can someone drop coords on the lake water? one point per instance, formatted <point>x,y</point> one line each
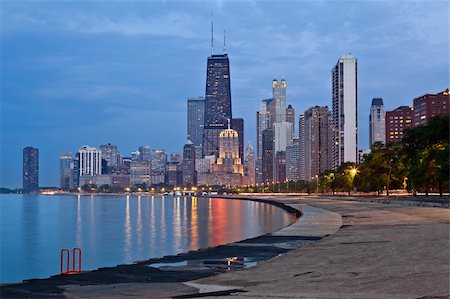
<point>113,230</point>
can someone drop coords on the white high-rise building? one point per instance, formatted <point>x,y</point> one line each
<point>377,122</point>
<point>90,161</point>
<point>301,141</point>
<point>345,110</point>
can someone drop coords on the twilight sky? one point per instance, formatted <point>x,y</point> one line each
<point>89,73</point>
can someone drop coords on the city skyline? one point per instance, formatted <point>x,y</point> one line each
<point>45,90</point>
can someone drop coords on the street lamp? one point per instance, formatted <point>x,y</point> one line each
<point>317,185</point>
<point>353,173</point>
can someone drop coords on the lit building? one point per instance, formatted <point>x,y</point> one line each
<point>174,174</point>
<point>249,165</point>
<point>397,121</point>
<point>90,161</point>
<point>195,120</point>
<point>30,169</point>
<point>429,105</point>
<point>345,111</point>
<point>66,172</point>
<point>228,169</point>
<point>293,161</point>
<point>377,122</point>
<point>189,173</point>
<point>175,158</point>
<point>158,162</point>
<point>110,154</point>
<point>217,102</point>
<point>267,156</point>
<point>317,141</point>
<point>301,141</point>
<point>279,96</point>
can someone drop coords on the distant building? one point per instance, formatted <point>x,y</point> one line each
<point>174,174</point>
<point>66,172</point>
<point>119,180</point>
<point>279,96</point>
<point>145,153</point>
<point>282,136</point>
<point>290,118</point>
<point>362,153</point>
<point>238,125</point>
<point>301,141</point>
<point>293,161</point>
<point>279,168</point>
<point>429,105</point>
<point>176,158</point>
<point>267,155</point>
<point>195,120</point>
<point>158,162</point>
<point>397,121</point>
<point>345,111</point>
<point>30,169</point>
<point>263,122</point>
<point>217,102</point>
<point>249,165</point>
<point>140,172</point>
<point>317,141</point>
<point>189,173</point>
<point>377,122</point>
<point>90,161</point>
<point>110,153</point>
<point>228,169</point>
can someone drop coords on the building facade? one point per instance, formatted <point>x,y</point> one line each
<point>290,118</point>
<point>429,105</point>
<point>217,102</point>
<point>30,176</point>
<point>140,172</point>
<point>238,125</point>
<point>317,141</point>
<point>279,96</point>
<point>267,156</point>
<point>189,173</point>
<point>110,154</point>
<point>345,110</point>
<point>66,172</point>
<point>377,122</point>
<point>90,161</point>
<point>301,141</point>
<point>195,120</point>
<point>293,161</point>
<point>249,165</point>
<point>397,121</point>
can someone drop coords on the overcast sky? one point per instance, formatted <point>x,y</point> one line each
<point>89,73</point>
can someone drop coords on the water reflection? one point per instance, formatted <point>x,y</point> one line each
<point>120,229</point>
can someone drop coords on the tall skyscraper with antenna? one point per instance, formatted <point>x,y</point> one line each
<point>217,99</point>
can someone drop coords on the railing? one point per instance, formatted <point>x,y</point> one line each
<point>65,253</point>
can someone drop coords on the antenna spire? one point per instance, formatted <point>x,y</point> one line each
<point>224,48</point>
<point>212,32</point>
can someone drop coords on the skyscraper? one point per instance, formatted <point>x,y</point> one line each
<point>290,118</point>
<point>301,141</point>
<point>145,153</point>
<point>90,161</point>
<point>110,154</point>
<point>238,125</point>
<point>293,161</point>
<point>188,166</point>
<point>267,155</point>
<point>30,169</point>
<point>429,105</point>
<point>249,165</point>
<point>195,120</point>
<point>217,102</point>
<point>66,171</point>
<point>345,110</point>
<point>263,117</point>
<point>279,96</point>
<point>317,141</point>
<point>377,122</point>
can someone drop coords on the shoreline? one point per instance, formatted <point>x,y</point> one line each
<point>194,255</point>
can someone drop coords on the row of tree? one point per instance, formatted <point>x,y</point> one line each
<point>418,163</point>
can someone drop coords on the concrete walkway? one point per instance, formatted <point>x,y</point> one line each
<point>382,251</point>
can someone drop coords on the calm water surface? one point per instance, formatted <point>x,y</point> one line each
<point>115,230</point>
